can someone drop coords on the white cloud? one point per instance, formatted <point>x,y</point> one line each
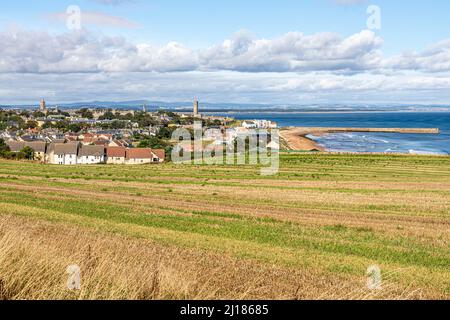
<point>226,86</point>
<point>80,51</point>
<point>294,51</point>
<point>436,58</point>
<point>294,68</point>
<point>40,52</point>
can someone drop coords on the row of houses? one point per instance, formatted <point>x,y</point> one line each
<point>74,153</point>
<point>259,124</point>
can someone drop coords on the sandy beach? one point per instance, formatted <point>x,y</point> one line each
<point>295,137</point>
<point>296,140</point>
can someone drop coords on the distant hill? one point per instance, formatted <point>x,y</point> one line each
<point>243,107</point>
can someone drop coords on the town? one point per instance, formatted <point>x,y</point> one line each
<point>82,136</point>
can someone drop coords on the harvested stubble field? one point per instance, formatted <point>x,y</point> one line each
<point>216,232</point>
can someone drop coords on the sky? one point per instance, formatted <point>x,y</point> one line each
<point>225,51</point>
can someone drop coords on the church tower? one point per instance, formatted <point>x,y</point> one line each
<point>42,106</point>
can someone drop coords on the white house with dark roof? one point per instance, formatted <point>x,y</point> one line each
<point>91,154</point>
<point>62,153</point>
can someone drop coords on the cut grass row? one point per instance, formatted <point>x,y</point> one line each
<point>399,220</point>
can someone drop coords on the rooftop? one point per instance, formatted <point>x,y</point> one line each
<point>97,151</point>
<point>139,153</point>
<point>118,152</point>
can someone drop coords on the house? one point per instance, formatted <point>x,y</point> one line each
<point>259,124</point>
<point>72,139</point>
<point>62,153</point>
<point>39,148</point>
<point>103,143</point>
<point>27,138</point>
<point>139,156</point>
<point>88,140</point>
<point>85,136</point>
<point>58,141</point>
<point>115,155</point>
<point>159,155</point>
<point>91,154</point>
<point>71,136</point>
<point>118,143</point>
<point>104,136</point>
<point>249,125</point>
<point>15,146</point>
<point>6,135</point>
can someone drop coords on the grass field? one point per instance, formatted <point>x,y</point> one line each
<point>209,232</point>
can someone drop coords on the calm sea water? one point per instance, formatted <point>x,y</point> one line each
<point>370,142</point>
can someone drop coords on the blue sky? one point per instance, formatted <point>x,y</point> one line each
<point>285,51</point>
<point>406,25</point>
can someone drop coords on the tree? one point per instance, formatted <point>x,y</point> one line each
<point>165,133</point>
<point>152,142</point>
<point>27,153</point>
<point>31,124</point>
<point>47,125</point>
<point>108,115</point>
<point>85,113</point>
<point>74,127</point>
<point>4,148</point>
<point>38,114</point>
<point>116,124</point>
<point>25,114</point>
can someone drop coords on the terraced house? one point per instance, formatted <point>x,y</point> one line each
<point>62,153</point>
<point>122,155</point>
<point>91,154</point>
<point>39,148</point>
<point>74,152</point>
<point>139,156</point>
<point>116,155</point>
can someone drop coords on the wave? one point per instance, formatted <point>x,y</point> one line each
<point>422,152</point>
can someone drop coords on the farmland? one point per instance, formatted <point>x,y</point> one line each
<point>210,232</point>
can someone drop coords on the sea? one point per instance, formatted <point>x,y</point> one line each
<point>368,142</point>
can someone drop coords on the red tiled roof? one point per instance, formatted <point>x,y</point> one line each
<point>120,143</point>
<point>89,139</point>
<point>160,153</point>
<point>118,152</point>
<point>101,143</point>
<point>104,136</point>
<point>139,153</point>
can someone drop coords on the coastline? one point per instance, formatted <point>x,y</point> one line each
<point>296,137</point>
<point>298,141</point>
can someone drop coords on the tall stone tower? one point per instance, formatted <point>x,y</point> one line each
<point>42,106</point>
<point>196,107</point>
